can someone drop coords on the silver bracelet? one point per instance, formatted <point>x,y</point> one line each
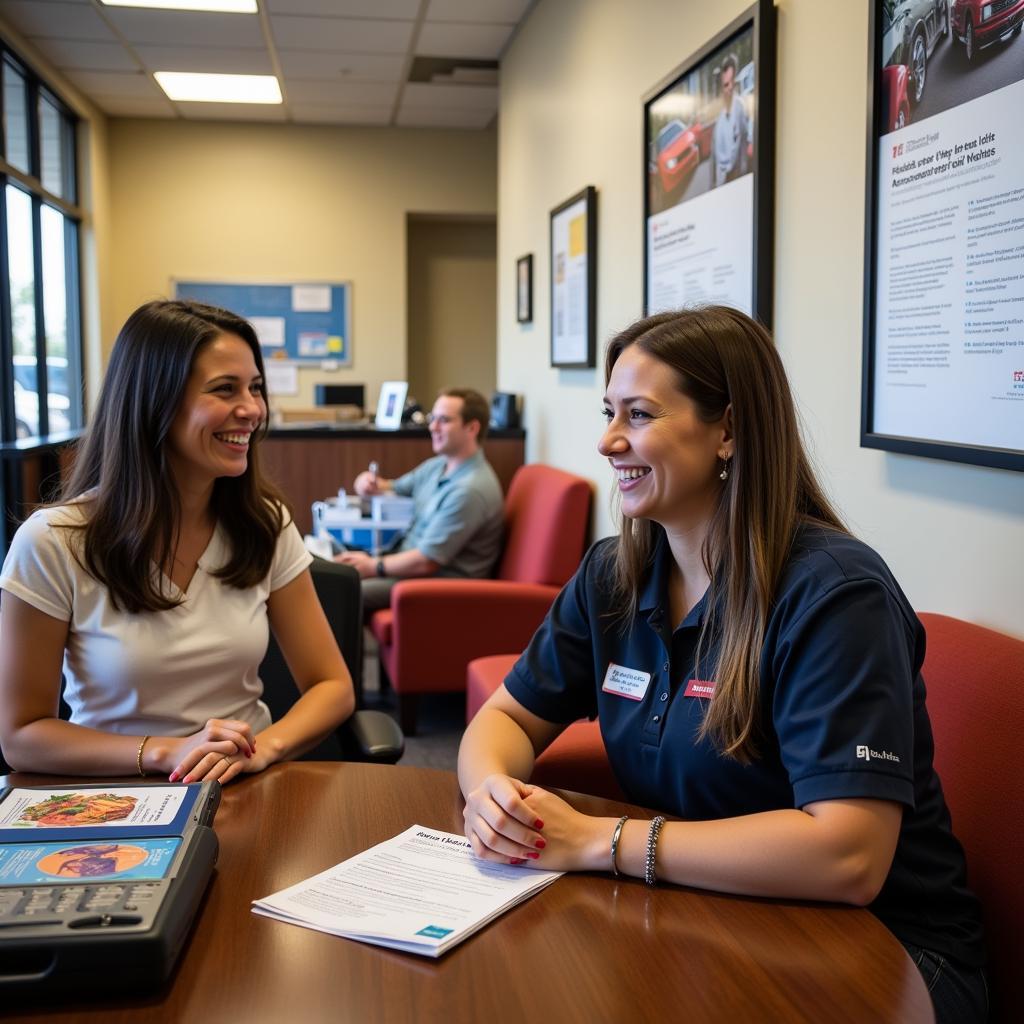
<point>616,835</point>
<point>652,845</point>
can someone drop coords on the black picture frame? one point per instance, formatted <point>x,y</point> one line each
<point>574,307</point>
<point>918,131</point>
<point>668,193</point>
<point>524,289</point>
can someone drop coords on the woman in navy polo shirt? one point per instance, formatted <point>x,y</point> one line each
<point>755,670</point>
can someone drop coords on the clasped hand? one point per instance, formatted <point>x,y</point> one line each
<point>222,749</point>
<point>512,822</point>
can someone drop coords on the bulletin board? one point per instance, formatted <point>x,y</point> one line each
<point>304,323</point>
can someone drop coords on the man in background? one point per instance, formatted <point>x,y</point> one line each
<point>732,128</point>
<point>458,513</point>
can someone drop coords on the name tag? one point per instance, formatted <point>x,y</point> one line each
<point>700,688</point>
<point>626,682</point>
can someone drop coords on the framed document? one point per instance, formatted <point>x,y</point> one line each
<point>943,368</point>
<point>708,160</point>
<point>524,289</point>
<point>574,281</point>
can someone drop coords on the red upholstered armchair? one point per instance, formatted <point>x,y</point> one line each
<point>435,627</point>
<point>975,682</point>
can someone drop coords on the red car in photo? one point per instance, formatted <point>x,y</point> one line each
<point>895,98</point>
<point>979,23</point>
<point>677,154</point>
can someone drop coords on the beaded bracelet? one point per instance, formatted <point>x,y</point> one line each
<point>616,835</point>
<point>652,845</point>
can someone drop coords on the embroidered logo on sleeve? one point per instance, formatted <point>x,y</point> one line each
<point>626,682</point>
<point>879,755</point>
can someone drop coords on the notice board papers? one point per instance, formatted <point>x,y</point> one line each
<point>421,892</point>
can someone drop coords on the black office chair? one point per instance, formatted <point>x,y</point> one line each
<point>367,735</point>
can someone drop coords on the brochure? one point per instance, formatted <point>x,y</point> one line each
<point>422,892</point>
<point>94,812</point>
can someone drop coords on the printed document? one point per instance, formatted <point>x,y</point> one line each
<point>422,892</point>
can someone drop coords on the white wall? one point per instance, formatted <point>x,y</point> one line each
<point>571,115</point>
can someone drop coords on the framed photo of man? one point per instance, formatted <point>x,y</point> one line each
<point>708,162</point>
<point>943,366</point>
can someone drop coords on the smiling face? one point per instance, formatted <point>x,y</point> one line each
<point>223,404</point>
<point>665,457</point>
<point>450,434</point>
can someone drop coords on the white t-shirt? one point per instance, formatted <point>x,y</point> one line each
<point>158,673</point>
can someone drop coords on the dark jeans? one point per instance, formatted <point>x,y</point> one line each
<point>959,994</point>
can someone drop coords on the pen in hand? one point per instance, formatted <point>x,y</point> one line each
<point>373,467</point>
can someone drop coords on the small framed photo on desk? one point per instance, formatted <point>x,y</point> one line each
<point>391,404</point>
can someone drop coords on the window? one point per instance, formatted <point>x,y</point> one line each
<point>40,343</point>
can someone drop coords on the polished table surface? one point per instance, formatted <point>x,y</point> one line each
<point>588,948</point>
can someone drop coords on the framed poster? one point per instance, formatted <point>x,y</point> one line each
<point>943,368</point>
<point>574,281</point>
<point>524,289</point>
<point>708,161</point>
<point>307,322</point>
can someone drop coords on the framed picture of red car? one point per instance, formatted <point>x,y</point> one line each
<point>709,145</point>
<point>943,366</point>
<point>574,281</point>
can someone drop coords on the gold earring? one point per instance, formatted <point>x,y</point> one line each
<point>724,475</point>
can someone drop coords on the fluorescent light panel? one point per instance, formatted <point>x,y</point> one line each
<point>224,6</point>
<point>204,88</point>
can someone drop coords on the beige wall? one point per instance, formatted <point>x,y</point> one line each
<point>288,203</point>
<point>571,92</point>
<point>452,306</point>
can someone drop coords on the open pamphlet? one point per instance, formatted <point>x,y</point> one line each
<point>422,892</point>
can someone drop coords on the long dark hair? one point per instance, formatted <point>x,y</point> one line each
<point>722,358</point>
<point>121,473</point>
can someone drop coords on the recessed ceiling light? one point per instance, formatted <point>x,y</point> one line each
<point>184,85</point>
<point>227,6</point>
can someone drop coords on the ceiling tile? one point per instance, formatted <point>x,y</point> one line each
<point>349,67</point>
<point>195,28</point>
<point>346,34</point>
<point>205,58</point>
<point>112,83</point>
<point>314,113</point>
<point>425,117</point>
<point>457,97</point>
<point>68,54</point>
<point>232,111</point>
<point>68,21</point>
<point>407,9</point>
<point>483,42</point>
<point>369,94</point>
<point>503,11</point>
<point>132,106</point>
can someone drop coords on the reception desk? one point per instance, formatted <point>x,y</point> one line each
<point>308,464</point>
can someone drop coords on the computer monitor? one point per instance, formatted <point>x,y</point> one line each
<point>340,394</point>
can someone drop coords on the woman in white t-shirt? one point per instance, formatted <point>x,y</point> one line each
<point>153,587</point>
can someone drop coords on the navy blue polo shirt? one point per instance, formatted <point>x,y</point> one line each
<point>841,712</point>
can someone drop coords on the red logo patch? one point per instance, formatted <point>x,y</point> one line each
<point>700,688</point>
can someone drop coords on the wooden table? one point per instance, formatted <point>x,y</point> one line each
<point>587,948</point>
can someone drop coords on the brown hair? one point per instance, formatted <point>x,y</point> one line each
<point>474,407</point>
<point>121,473</point>
<point>722,358</point>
